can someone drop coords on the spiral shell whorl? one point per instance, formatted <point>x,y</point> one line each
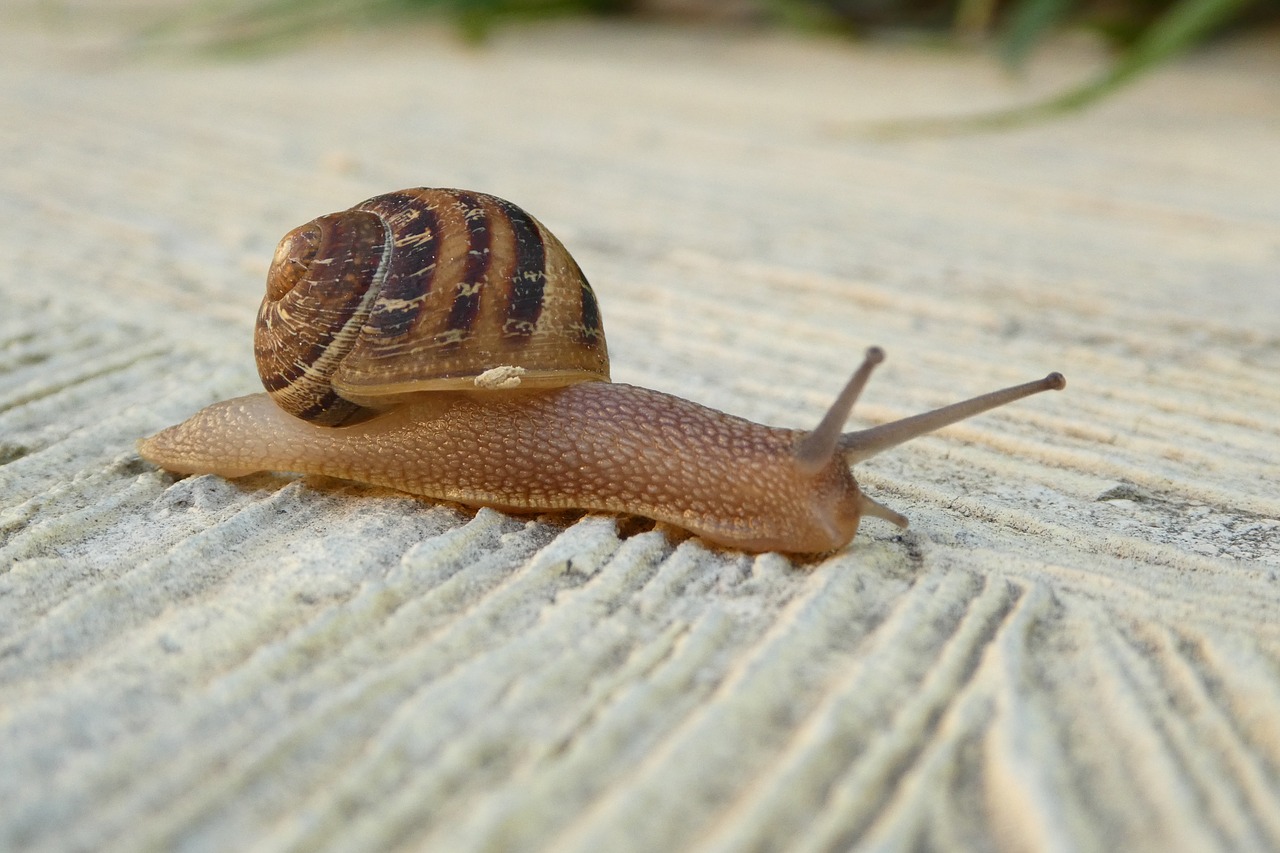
<point>421,290</point>
<point>318,292</point>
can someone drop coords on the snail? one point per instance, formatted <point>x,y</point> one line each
<point>442,342</point>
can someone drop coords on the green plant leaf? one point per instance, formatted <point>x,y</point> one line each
<point>1029,22</point>
<point>1183,24</point>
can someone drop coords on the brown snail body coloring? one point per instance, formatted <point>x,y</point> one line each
<point>474,282</point>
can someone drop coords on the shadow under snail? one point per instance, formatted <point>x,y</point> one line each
<point>444,343</point>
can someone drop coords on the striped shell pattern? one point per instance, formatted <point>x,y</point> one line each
<point>417,291</point>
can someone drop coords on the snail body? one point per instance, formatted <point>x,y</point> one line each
<point>599,446</point>
<point>568,439</point>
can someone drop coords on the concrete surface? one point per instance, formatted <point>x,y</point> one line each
<point>1076,645</point>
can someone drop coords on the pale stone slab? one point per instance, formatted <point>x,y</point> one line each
<point>1075,646</point>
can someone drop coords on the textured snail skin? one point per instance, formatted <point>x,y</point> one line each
<point>592,446</point>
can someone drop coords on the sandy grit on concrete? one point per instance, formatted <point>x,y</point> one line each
<point>1075,646</point>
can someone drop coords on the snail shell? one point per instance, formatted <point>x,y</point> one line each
<point>417,291</point>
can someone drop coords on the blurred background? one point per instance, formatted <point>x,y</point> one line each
<point>1137,35</point>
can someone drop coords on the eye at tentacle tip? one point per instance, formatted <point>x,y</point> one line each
<point>819,447</point>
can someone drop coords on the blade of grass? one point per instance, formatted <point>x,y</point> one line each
<point>1185,23</point>
<point>1029,22</point>
<point>1180,27</point>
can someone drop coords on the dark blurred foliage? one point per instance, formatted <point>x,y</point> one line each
<point>1143,32</point>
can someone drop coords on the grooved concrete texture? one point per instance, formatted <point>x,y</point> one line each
<point>1075,646</point>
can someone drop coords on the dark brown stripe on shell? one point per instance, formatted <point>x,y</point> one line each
<point>332,410</point>
<point>592,330</point>
<point>285,375</point>
<point>528,282</point>
<point>466,299</point>
<point>411,272</point>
